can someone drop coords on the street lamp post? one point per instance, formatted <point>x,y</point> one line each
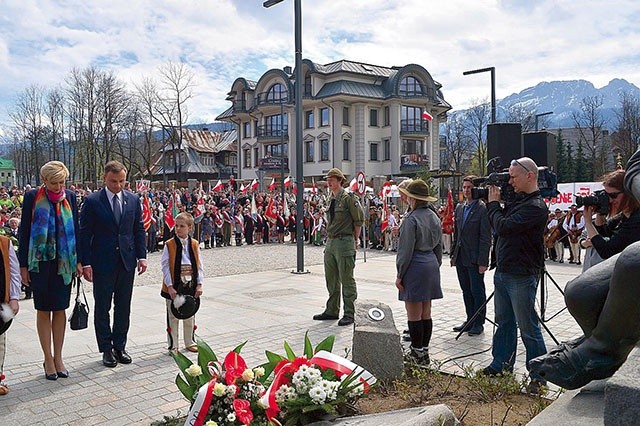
<point>298,109</point>
<point>282,150</point>
<point>541,115</point>
<point>493,87</point>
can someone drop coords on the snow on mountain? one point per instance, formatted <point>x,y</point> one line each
<point>564,97</point>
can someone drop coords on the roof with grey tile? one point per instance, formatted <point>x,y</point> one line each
<point>353,88</point>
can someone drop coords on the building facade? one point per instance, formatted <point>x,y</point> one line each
<point>201,155</point>
<point>8,175</point>
<point>356,116</point>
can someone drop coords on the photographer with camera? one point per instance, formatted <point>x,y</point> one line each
<point>519,227</point>
<point>611,236</point>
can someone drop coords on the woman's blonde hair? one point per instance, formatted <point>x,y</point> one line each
<point>54,170</point>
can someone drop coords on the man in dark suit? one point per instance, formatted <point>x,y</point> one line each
<point>472,234</point>
<point>112,245</point>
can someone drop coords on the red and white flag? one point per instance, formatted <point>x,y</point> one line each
<point>198,211</point>
<point>272,186</point>
<point>142,185</point>
<point>287,182</point>
<point>219,186</point>
<point>314,190</point>
<point>146,213</point>
<point>243,188</point>
<point>353,185</point>
<point>271,211</point>
<point>171,213</point>
<point>447,220</point>
<point>254,185</point>
<point>427,116</point>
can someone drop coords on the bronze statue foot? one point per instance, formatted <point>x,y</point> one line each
<point>568,345</point>
<point>573,368</point>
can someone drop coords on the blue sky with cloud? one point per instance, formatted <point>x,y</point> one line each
<point>527,41</point>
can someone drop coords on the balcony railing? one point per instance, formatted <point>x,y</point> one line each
<point>239,106</point>
<point>273,132</point>
<point>417,91</point>
<point>271,98</point>
<point>414,126</point>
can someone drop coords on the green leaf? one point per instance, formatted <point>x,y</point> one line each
<point>205,355</point>
<point>238,348</point>
<point>326,344</point>
<point>184,387</point>
<point>290,354</point>
<point>308,349</point>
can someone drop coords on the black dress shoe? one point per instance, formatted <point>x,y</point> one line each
<point>345,321</point>
<point>108,359</point>
<point>52,376</point>
<point>460,327</point>
<point>324,316</point>
<point>122,356</point>
<point>476,330</point>
<point>63,374</point>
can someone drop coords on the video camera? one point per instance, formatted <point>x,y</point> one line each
<point>599,199</point>
<point>547,182</point>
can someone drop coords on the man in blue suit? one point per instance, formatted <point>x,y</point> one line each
<point>472,234</point>
<point>112,245</point>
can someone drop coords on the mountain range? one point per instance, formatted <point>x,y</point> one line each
<point>564,97</point>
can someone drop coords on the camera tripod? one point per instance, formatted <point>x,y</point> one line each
<point>542,281</point>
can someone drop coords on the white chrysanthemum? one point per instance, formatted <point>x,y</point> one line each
<point>318,395</point>
<point>330,388</point>
<point>283,393</point>
<point>194,370</point>
<point>231,417</point>
<point>219,389</point>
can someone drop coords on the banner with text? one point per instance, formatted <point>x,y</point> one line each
<point>568,191</point>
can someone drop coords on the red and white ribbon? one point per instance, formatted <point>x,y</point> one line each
<point>198,412</point>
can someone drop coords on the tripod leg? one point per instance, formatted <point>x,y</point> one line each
<point>475,315</point>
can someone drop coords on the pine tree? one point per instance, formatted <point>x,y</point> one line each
<point>570,166</point>
<point>583,173</point>
<point>562,170</point>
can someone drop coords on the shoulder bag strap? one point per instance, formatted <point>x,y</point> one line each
<point>80,287</point>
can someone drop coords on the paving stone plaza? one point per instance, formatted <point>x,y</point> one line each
<point>249,294</point>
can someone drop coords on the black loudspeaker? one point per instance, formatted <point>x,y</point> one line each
<point>541,147</point>
<point>504,140</point>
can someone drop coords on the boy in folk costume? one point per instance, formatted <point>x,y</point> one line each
<point>9,296</point>
<point>182,282</point>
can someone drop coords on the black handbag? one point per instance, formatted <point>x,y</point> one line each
<point>80,316</point>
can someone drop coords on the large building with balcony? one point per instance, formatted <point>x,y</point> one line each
<point>357,117</point>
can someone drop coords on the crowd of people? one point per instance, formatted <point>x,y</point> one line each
<point>104,236</point>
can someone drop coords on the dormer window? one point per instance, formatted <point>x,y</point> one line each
<point>276,94</point>
<point>410,86</point>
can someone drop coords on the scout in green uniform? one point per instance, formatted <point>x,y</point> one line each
<point>345,219</point>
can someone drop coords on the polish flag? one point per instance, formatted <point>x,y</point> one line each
<point>219,186</point>
<point>271,211</point>
<point>254,185</point>
<point>314,190</point>
<point>198,212</point>
<point>146,213</point>
<point>272,186</point>
<point>287,182</point>
<point>427,116</point>
<point>243,188</point>
<point>353,185</point>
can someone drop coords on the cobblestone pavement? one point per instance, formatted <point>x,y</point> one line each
<point>250,294</point>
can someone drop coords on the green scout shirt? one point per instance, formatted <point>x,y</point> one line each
<point>347,214</point>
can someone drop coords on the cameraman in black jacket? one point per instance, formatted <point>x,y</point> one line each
<point>519,228</point>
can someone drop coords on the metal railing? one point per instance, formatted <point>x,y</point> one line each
<point>414,126</point>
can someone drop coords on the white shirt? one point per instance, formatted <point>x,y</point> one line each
<point>14,272</point>
<point>185,260</point>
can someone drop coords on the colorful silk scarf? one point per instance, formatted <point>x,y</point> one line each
<point>52,212</point>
